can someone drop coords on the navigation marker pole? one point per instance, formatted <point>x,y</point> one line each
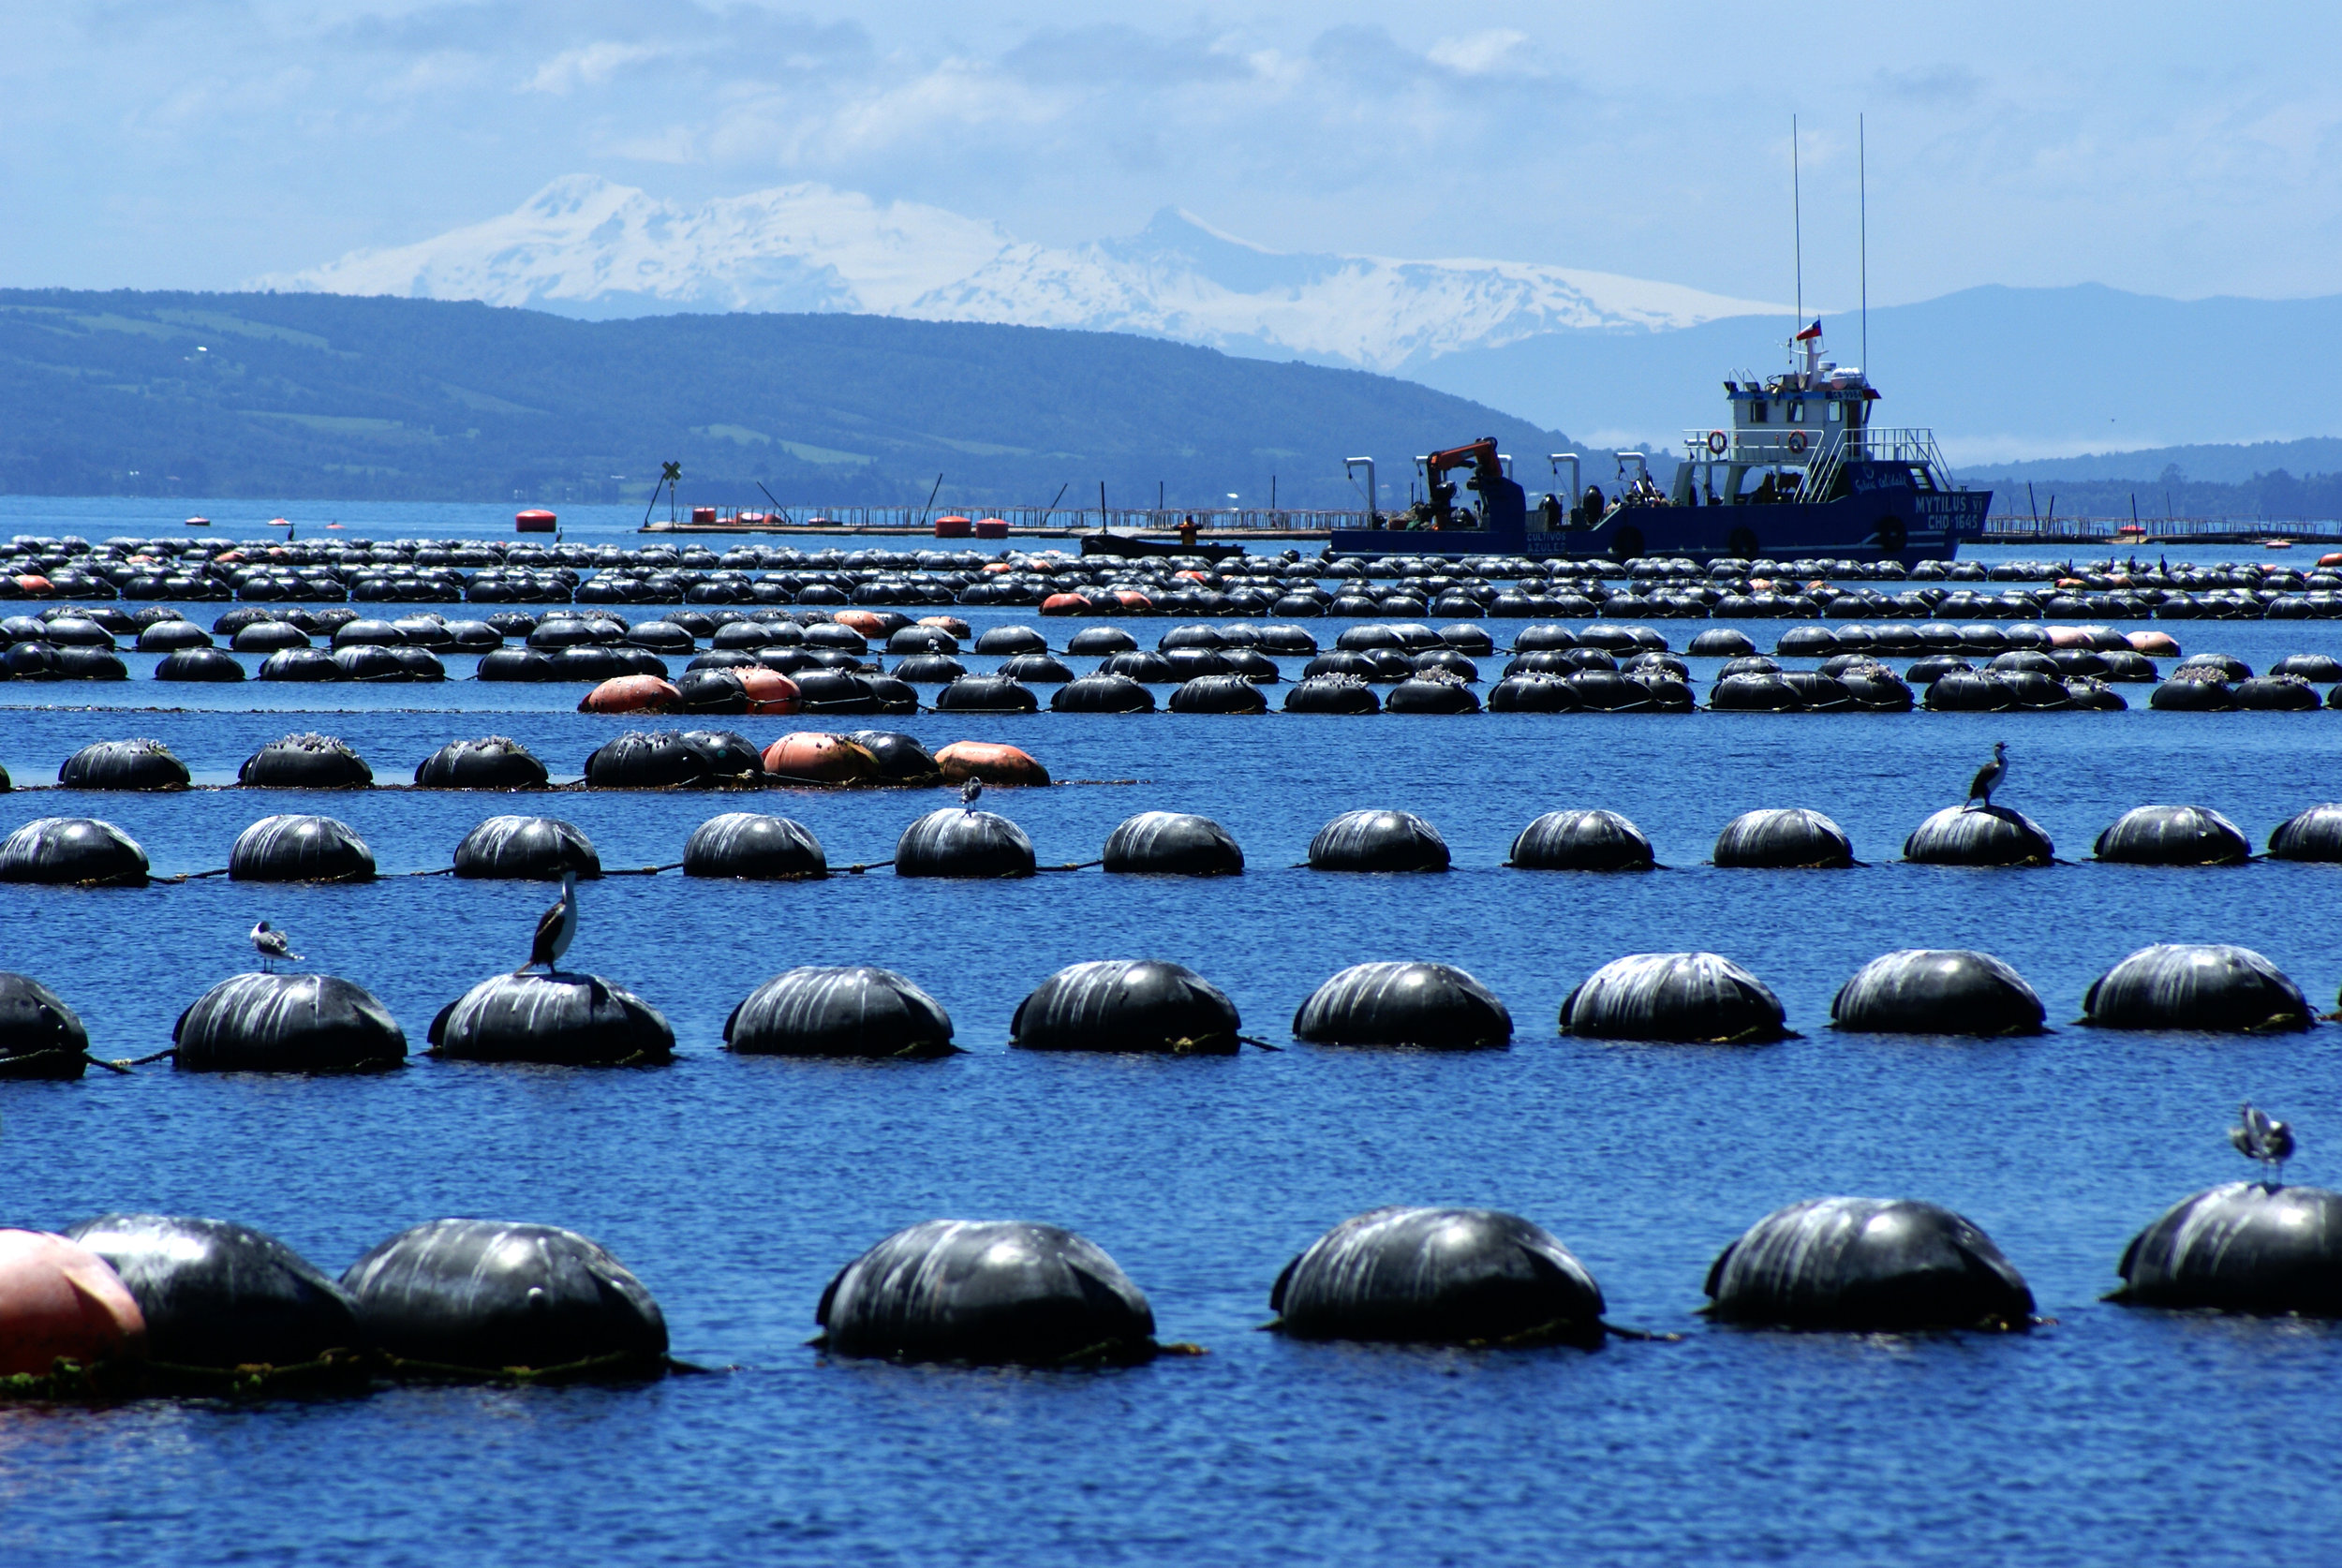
<point>1862,183</point>
<point>1797,226</point>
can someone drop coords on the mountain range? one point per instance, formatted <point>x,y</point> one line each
<point>584,246</point>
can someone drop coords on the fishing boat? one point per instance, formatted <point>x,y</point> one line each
<point>1796,468</point>
<point>199,522</point>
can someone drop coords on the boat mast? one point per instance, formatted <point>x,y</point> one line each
<point>1797,227</point>
<point>1862,183</point>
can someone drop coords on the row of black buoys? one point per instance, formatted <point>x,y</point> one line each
<point>849,1011</point>
<point>1783,837</point>
<point>123,764</point>
<point>64,851</point>
<point>559,1019</point>
<point>489,762</point>
<point>1683,998</point>
<point>529,848</point>
<point>2210,986</point>
<point>1979,835</point>
<point>997,1291</point>
<point>1378,841</point>
<point>674,760</point>
<point>40,1035</point>
<point>286,1023</point>
<point>298,849</point>
<point>1937,991</point>
<point>1428,1006</point>
<point>1127,1004</point>
<point>1867,1265</point>
<point>305,762</point>
<point>755,846</point>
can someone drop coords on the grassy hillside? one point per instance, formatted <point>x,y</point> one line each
<point>320,395</point>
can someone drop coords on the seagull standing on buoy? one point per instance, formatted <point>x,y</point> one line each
<point>968,792</point>
<point>2262,1137</point>
<point>272,945</point>
<point>555,929</point>
<point>1989,777</point>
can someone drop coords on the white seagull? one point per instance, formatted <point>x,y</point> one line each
<point>968,792</point>
<point>272,945</point>
<point>555,929</point>
<point>2264,1138</point>
<point>1990,776</point>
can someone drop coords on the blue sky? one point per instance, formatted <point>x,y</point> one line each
<point>2166,149</point>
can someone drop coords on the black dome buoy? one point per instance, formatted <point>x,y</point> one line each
<point>526,849</point>
<point>1102,694</point>
<point>1099,640</point>
<point>1979,835</point>
<point>1429,694</point>
<point>2314,833</point>
<point>1783,839</point>
<point>988,1291</point>
<point>489,762</point>
<point>957,842</point>
<point>293,849</point>
<point>1867,1265</point>
<point>562,1019</point>
<point>1582,840</point>
<point>2276,694</point>
<point>2242,1247</point>
<point>1233,694</point>
<point>497,664</point>
<point>199,664</point>
<point>2173,836</point>
<point>987,694</point>
<point>123,764</point>
<point>854,1011</point>
<point>1174,843</point>
<point>710,691</point>
<point>1011,640</point>
<point>1533,693</point>
<point>1720,643</point>
<point>1127,1004</point>
<point>1378,841</point>
<point>69,850</point>
<point>1334,694</point>
<point>303,664</point>
<point>1438,1276</point>
<point>2211,987</point>
<point>286,1023</point>
<point>40,1036</point>
<point>754,847</point>
<point>491,1297</point>
<point>216,1295</point>
<point>305,762</point>
<point>901,759</point>
<point>673,760</point>
<point>1755,691</point>
<point>1937,991</point>
<point>1679,998</point>
<point>1434,1006</point>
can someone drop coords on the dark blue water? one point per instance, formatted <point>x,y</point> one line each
<point>734,1188</point>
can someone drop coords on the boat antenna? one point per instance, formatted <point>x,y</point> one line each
<point>1797,225</point>
<point>1862,185</point>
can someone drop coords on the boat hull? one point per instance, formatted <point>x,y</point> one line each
<point>1901,524</point>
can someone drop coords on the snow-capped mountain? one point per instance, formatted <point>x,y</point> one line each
<point>584,246</point>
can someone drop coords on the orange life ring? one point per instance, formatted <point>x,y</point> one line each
<point>1797,441</point>
<point>1717,442</point>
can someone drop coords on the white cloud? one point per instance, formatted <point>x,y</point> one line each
<point>1498,51</point>
<point>590,64</point>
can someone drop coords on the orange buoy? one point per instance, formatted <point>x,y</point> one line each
<point>816,757</point>
<point>34,582</point>
<point>58,1298</point>
<point>2332,560</point>
<point>769,690</point>
<point>2157,645</point>
<point>992,527</point>
<point>994,568</point>
<point>630,694</point>
<point>867,622</point>
<point>1193,576</point>
<point>536,520</point>
<point>952,526</point>
<point>989,761</point>
<point>952,624</point>
<point>2069,637</point>
<point>1064,605</point>
<point>1131,599</point>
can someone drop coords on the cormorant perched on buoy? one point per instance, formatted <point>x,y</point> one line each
<point>273,944</point>
<point>556,928</point>
<point>1989,777</point>
<point>2263,1138</point>
<point>968,792</point>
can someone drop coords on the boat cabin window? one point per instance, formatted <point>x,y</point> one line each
<point>1756,407</point>
<point>1797,411</point>
<point>1834,412</point>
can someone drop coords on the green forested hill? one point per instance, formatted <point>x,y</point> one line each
<point>320,395</point>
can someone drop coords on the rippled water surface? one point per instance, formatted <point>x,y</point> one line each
<point>734,1188</point>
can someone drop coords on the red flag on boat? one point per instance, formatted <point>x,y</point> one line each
<point>1811,333</point>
